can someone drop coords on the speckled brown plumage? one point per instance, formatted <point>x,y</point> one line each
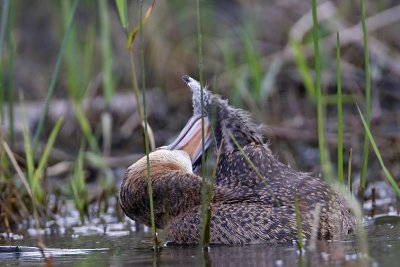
<point>246,209</point>
<point>252,215</point>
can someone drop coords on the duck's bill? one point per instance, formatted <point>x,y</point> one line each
<point>189,139</point>
<point>192,83</point>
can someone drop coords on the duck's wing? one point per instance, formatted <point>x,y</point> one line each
<point>237,223</point>
<point>275,184</point>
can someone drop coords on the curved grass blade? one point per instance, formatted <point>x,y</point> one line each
<point>122,7</point>
<point>43,160</point>
<point>85,127</point>
<point>123,14</point>
<point>135,82</point>
<point>371,139</point>
<point>143,20</point>
<point>303,67</point>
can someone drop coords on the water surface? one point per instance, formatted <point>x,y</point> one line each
<point>124,244</point>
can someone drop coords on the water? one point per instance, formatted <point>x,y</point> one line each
<point>124,244</point>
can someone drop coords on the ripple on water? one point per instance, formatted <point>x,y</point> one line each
<point>124,244</point>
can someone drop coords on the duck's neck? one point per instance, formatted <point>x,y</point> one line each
<point>231,126</point>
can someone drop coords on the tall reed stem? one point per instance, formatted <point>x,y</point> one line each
<point>340,113</point>
<point>3,30</point>
<point>325,165</point>
<point>146,134</point>
<point>205,237</point>
<point>364,167</point>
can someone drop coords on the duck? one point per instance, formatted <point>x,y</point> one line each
<point>254,196</point>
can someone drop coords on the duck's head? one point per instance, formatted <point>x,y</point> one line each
<point>224,121</point>
<point>171,172</point>
<point>181,154</point>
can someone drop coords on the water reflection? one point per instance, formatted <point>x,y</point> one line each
<point>259,255</point>
<point>104,248</point>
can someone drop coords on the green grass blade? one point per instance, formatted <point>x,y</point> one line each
<point>363,177</point>
<point>108,83</point>
<point>303,68</point>
<point>143,19</point>
<point>24,181</point>
<point>78,56</point>
<point>298,222</point>
<point>72,54</point>
<point>54,78</point>
<point>48,147</point>
<point>371,139</point>
<point>123,14</point>
<point>3,30</point>
<point>201,80</point>
<point>349,180</point>
<point>332,99</point>
<point>4,21</point>
<point>85,127</point>
<point>11,83</point>
<point>323,153</point>
<point>253,60</point>
<point>45,155</point>
<point>135,83</point>
<point>88,53</point>
<point>230,68</point>
<point>340,114</point>
<point>28,155</point>
<point>146,133</point>
<point>78,185</point>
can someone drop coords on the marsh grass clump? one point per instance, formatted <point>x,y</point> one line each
<point>78,187</point>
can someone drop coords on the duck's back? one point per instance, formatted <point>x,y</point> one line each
<point>276,184</point>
